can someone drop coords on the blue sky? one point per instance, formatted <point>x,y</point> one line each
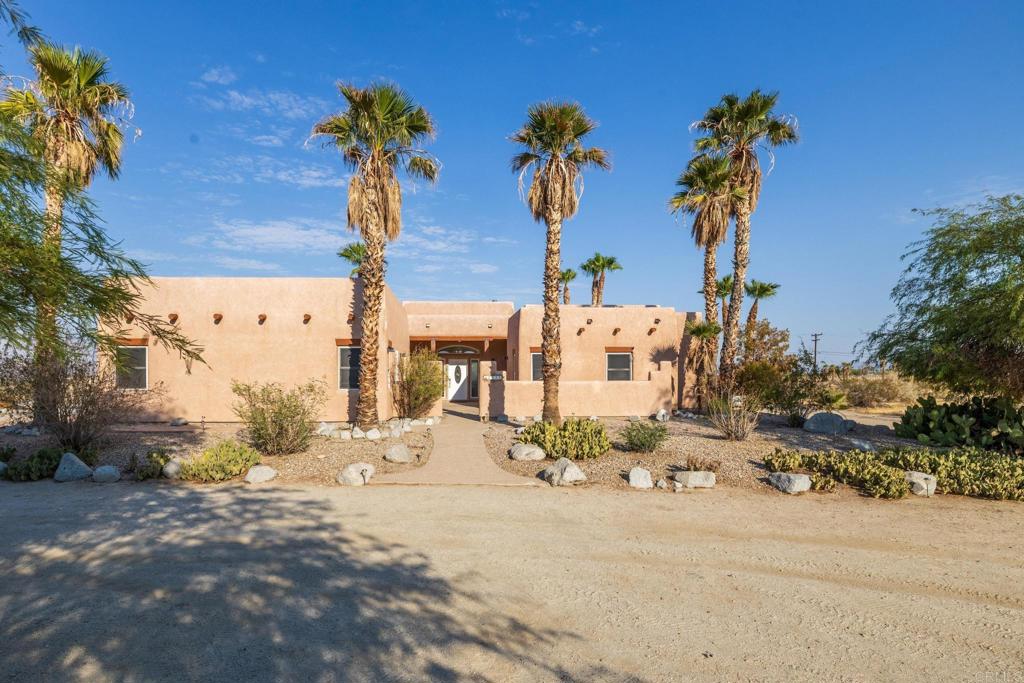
<point>900,105</point>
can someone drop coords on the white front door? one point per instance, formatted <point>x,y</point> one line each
<point>458,380</point>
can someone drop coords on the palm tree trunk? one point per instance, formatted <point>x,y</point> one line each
<point>565,294</point>
<point>740,261</point>
<point>371,272</point>
<point>748,330</point>
<point>706,369</point>
<point>595,296</point>
<point>47,339</point>
<point>710,278</point>
<point>551,347</point>
<point>600,289</point>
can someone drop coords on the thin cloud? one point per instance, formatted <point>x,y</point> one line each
<point>275,103</point>
<point>580,28</point>
<point>233,263</point>
<point>292,235</point>
<point>221,75</point>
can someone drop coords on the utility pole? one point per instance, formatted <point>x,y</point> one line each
<point>816,336</point>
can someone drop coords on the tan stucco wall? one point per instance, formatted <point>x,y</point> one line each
<point>454,319</point>
<point>282,349</point>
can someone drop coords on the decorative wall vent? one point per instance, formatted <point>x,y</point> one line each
<point>262,318</point>
<point>217,317</point>
<point>173,317</point>
<point>306,318</point>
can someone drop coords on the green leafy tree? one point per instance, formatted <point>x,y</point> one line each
<point>596,267</point>
<point>959,319</point>
<point>381,131</point>
<point>553,147</point>
<point>567,276</point>
<point>737,128</point>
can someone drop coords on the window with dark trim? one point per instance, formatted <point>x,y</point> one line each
<point>620,367</point>
<point>133,367</point>
<point>348,367</point>
<point>537,361</point>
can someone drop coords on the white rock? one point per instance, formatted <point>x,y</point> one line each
<point>519,430</point>
<point>634,418</point>
<point>373,434</point>
<point>259,474</point>
<point>179,422</point>
<point>677,487</point>
<point>71,469</point>
<point>538,417</point>
<point>594,418</point>
<point>563,473</point>
<point>356,474</point>
<point>358,433</point>
<point>661,484</point>
<point>639,478</point>
<point>396,432</point>
<point>695,479</point>
<point>787,482</point>
<point>526,451</point>
<point>325,429</point>
<point>406,426</point>
<point>921,483</point>
<point>862,445</point>
<point>106,474</point>
<point>661,415</point>
<point>172,469</point>
<point>343,434</point>
<point>399,453</point>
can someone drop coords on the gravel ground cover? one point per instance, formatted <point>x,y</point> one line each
<point>740,462</point>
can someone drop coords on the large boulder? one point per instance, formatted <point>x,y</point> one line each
<point>639,478</point>
<point>921,483</point>
<point>526,451</point>
<point>828,423</point>
<point>356,474</point>
<point>259,474</point>
<point>695,479</point>
<point>373,434</point>
<point>71,469</point>
<point>106,474</point>
<point>563,472</point>
<point>399,453</point>
<point>172,469</point>
<point>788,482</point>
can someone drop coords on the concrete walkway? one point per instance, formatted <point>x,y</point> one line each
<point>459,456</point>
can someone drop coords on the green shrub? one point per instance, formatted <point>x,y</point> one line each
<point>822,482</point>
<point>7,452</point>
<point>990,423</point>
<point>644,437</point>
<point>868,391</point>
<point>222,461</point>
<point>279,422</point>
<point>417,383</point>
<point>153,467</point>
<point>576,439</point>
<point>967,471</point>
<point>759,379</point>
<point>696,464</point>
<point>40,465</point>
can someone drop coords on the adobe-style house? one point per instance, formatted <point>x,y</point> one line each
<point>616,360</point>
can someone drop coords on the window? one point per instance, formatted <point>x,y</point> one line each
<point>348,367</point>
<point>538,365</point>
<point>620,367</point>
<point>133,370</point>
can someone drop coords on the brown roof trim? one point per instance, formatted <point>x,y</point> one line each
<point>346,342</point>
<point>535,349</point>
<point>133,341</point>
<point>465,337</point>
<point>618,349</point>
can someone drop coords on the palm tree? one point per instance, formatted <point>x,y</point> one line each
<point>596,266</point>
<point>706,193</point>
<point>758,290</point>
<point>722,290</point>
<point>553,140</point>
<point>379,132</point>
<point>567,276</point>
<point>700,358</point>
<point>75,113</point>
<point>354,253</point>
<point>736,128</point>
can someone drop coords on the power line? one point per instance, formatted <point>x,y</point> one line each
<point>815,336</point>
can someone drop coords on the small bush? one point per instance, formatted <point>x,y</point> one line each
<point>644,437</point>
<point>40,465</point>
<point>576,439</point>
<point>418,383</point>
<point>279,422</point>
<point>783,461</point>
<point>152,468</point>
<point>734,416</point>
<point>990,423</point>
<point>759,379</point>
<point>822,482</point>
<point>7,452</point>
<point>868,391</point>
<point>695,464</point>
<point>222,461</point>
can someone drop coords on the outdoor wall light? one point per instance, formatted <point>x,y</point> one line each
<point>306,318</point>
<point>490,325</point>
<point>217,317</point>
<point>426,325</point>
<point>262,318</point>
<point>173,317</point>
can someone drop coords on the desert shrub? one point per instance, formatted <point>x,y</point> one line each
<point>417,383</point>
<point>7,452</point>
<point>697,464</point>
<point>822,482</point>
<point>735,417</point>
<point>868,391</point>
<point>152,467</point>
<point>279,422</point>
<point>990,423</point>
<point>644,437</point>
<point>576,439</point>
<point>830,400</point>
<point>222,461</point>
<point>75,397</point>
<point>759,379</point>
<point>40,465</point>
<point>783,461</point>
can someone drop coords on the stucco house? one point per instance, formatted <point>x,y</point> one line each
<point>617,360</point>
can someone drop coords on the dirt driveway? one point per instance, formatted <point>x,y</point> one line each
<point>157,582</point>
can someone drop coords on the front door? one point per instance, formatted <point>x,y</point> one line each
<point>458,380</point>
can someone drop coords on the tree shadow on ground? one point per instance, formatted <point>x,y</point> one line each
<point>159,582</point>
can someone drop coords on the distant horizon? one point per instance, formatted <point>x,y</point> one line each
<point>224,181</point>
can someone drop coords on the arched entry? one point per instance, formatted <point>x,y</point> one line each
<point>462,371</point>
